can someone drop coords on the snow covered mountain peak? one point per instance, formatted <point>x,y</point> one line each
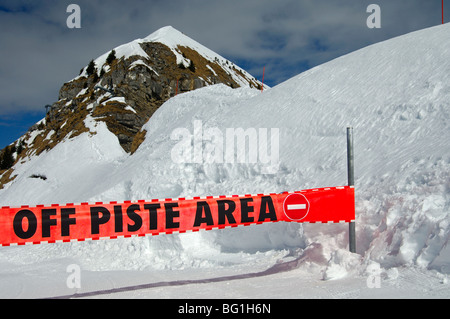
<point>173,39</point>
<point>125,86</point>
<point>166,34</point>
<point>178,42</point>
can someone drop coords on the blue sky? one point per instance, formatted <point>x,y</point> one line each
<point>39,53</point>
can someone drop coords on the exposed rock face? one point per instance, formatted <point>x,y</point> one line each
<point>144,83</point>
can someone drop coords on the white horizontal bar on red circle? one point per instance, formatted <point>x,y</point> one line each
<point>296,206</point>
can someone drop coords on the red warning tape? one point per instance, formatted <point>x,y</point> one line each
<point>55,223</point>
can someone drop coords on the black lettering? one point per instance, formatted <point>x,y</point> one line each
<point>47,222</point>
<point>199,219</point>
<point>171,214</point>
<point>245,209</point>
<point>135,217</point>
<point>267,209</point>
<point>66,220</point>
<point>18,226</point>
<point>118,219</point>
<point>226,214</point>
<point>96,220</point>
<point>153,215</point>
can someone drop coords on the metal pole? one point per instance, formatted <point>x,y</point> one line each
<point>351,182</point>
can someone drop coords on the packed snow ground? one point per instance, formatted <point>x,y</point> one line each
<point>396,96</point>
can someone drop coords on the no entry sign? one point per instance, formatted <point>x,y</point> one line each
<point>79,222</point>
<point>296,206</point>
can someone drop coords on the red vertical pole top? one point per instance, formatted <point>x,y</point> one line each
<point>262,87</point>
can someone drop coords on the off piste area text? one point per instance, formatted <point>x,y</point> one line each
<point>117,219</point>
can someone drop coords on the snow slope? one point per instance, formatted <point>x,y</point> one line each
<point>396,96</point>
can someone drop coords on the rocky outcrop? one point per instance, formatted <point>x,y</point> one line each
<point>144,83</point>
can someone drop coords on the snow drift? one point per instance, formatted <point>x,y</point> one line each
<point>396,96</point>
